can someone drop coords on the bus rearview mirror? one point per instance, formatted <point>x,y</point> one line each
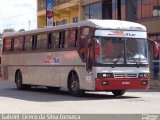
<point>156,49</point>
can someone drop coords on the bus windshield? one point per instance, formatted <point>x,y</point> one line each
<point>113,50</point>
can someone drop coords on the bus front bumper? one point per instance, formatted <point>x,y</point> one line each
<point>107,84</point>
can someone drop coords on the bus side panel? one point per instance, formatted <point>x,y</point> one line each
<point>4,70</point>
<point>48,68</point>
<point>64,72</point>
<point>87,81</point>
<point>71,62</point>
<point>42,75</point>
<point>9,73</point>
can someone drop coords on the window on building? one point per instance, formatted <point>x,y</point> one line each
<point>129,10</point>
<point>107,9</point>
<point>75,19</point>
<point>42,41</point>
<point>156,11</point>
<point>133,10</point>
<point>58,23</point>
<point>54,23</point>
<point>148,9</point>
<point>64,22</point>
<point>87,12</point>
<point>18,43</point>
<point>93,11</point>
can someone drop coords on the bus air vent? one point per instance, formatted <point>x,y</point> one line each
<point>125,75</point>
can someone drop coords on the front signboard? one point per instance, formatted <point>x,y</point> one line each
<point>121,33</point>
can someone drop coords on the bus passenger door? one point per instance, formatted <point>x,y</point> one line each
<point>85,52</point>
<point>86,47</point>
<point>89,54</point>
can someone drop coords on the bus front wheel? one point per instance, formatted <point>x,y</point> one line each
<point>73,85</point>
<point>118,92</point>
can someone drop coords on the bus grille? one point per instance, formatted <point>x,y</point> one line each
<point>125,75</point>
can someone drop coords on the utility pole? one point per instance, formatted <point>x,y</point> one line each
<point>29,24</point>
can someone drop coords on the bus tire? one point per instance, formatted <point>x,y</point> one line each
<point>118,92</point>
<point>73,85</point>
<point>19,82</point>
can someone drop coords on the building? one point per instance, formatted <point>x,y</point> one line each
<point>71,11</point>
<point>146,12</point>
<point>65,11</point>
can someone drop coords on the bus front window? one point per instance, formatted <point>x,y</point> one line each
<point>136,51</point>
<point>109,50</point>
<point>114,50</point>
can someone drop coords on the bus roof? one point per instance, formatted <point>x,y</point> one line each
<point>100,24</point>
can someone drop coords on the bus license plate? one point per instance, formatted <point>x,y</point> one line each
<point>125,83</point>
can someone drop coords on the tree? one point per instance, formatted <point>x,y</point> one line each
<point>0,41</point>
<point>9,30</point>
<point>22,30</point>
<point>0,36</point>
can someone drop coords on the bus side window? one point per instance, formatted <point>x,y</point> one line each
<point>82,49</point>
<point>18,43</point>
<point>73,37</point>
<point>64,39</point>
<point>28,44</point>
<point>7,45</point>
<point>42,41</point>
<point>85,31</point>
<point>49,40</point>
<point>55,39</point>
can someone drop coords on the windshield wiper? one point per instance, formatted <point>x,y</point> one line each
<point>117,59</point>
<point>137,62</point>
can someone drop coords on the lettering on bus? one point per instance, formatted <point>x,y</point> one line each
<point>130,34</point>
<point>118,32</point>
<point>52,58</point>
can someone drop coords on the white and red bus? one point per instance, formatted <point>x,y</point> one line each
<point>92,55</point>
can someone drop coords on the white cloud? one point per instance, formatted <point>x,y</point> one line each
<point>16,14</point>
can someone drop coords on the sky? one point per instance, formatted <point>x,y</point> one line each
<point>18,14</point>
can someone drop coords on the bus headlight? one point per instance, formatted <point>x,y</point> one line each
<point>143,75</point>
<point>104,75</point>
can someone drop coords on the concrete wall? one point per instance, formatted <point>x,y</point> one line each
<point>153,25</point>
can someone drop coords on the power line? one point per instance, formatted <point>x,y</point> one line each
<point>20,15</point>
<point>19,23</point>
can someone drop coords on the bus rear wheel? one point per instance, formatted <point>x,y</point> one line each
<point>19,80</point>
<point>73,86</point>
<point>118,92</point>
